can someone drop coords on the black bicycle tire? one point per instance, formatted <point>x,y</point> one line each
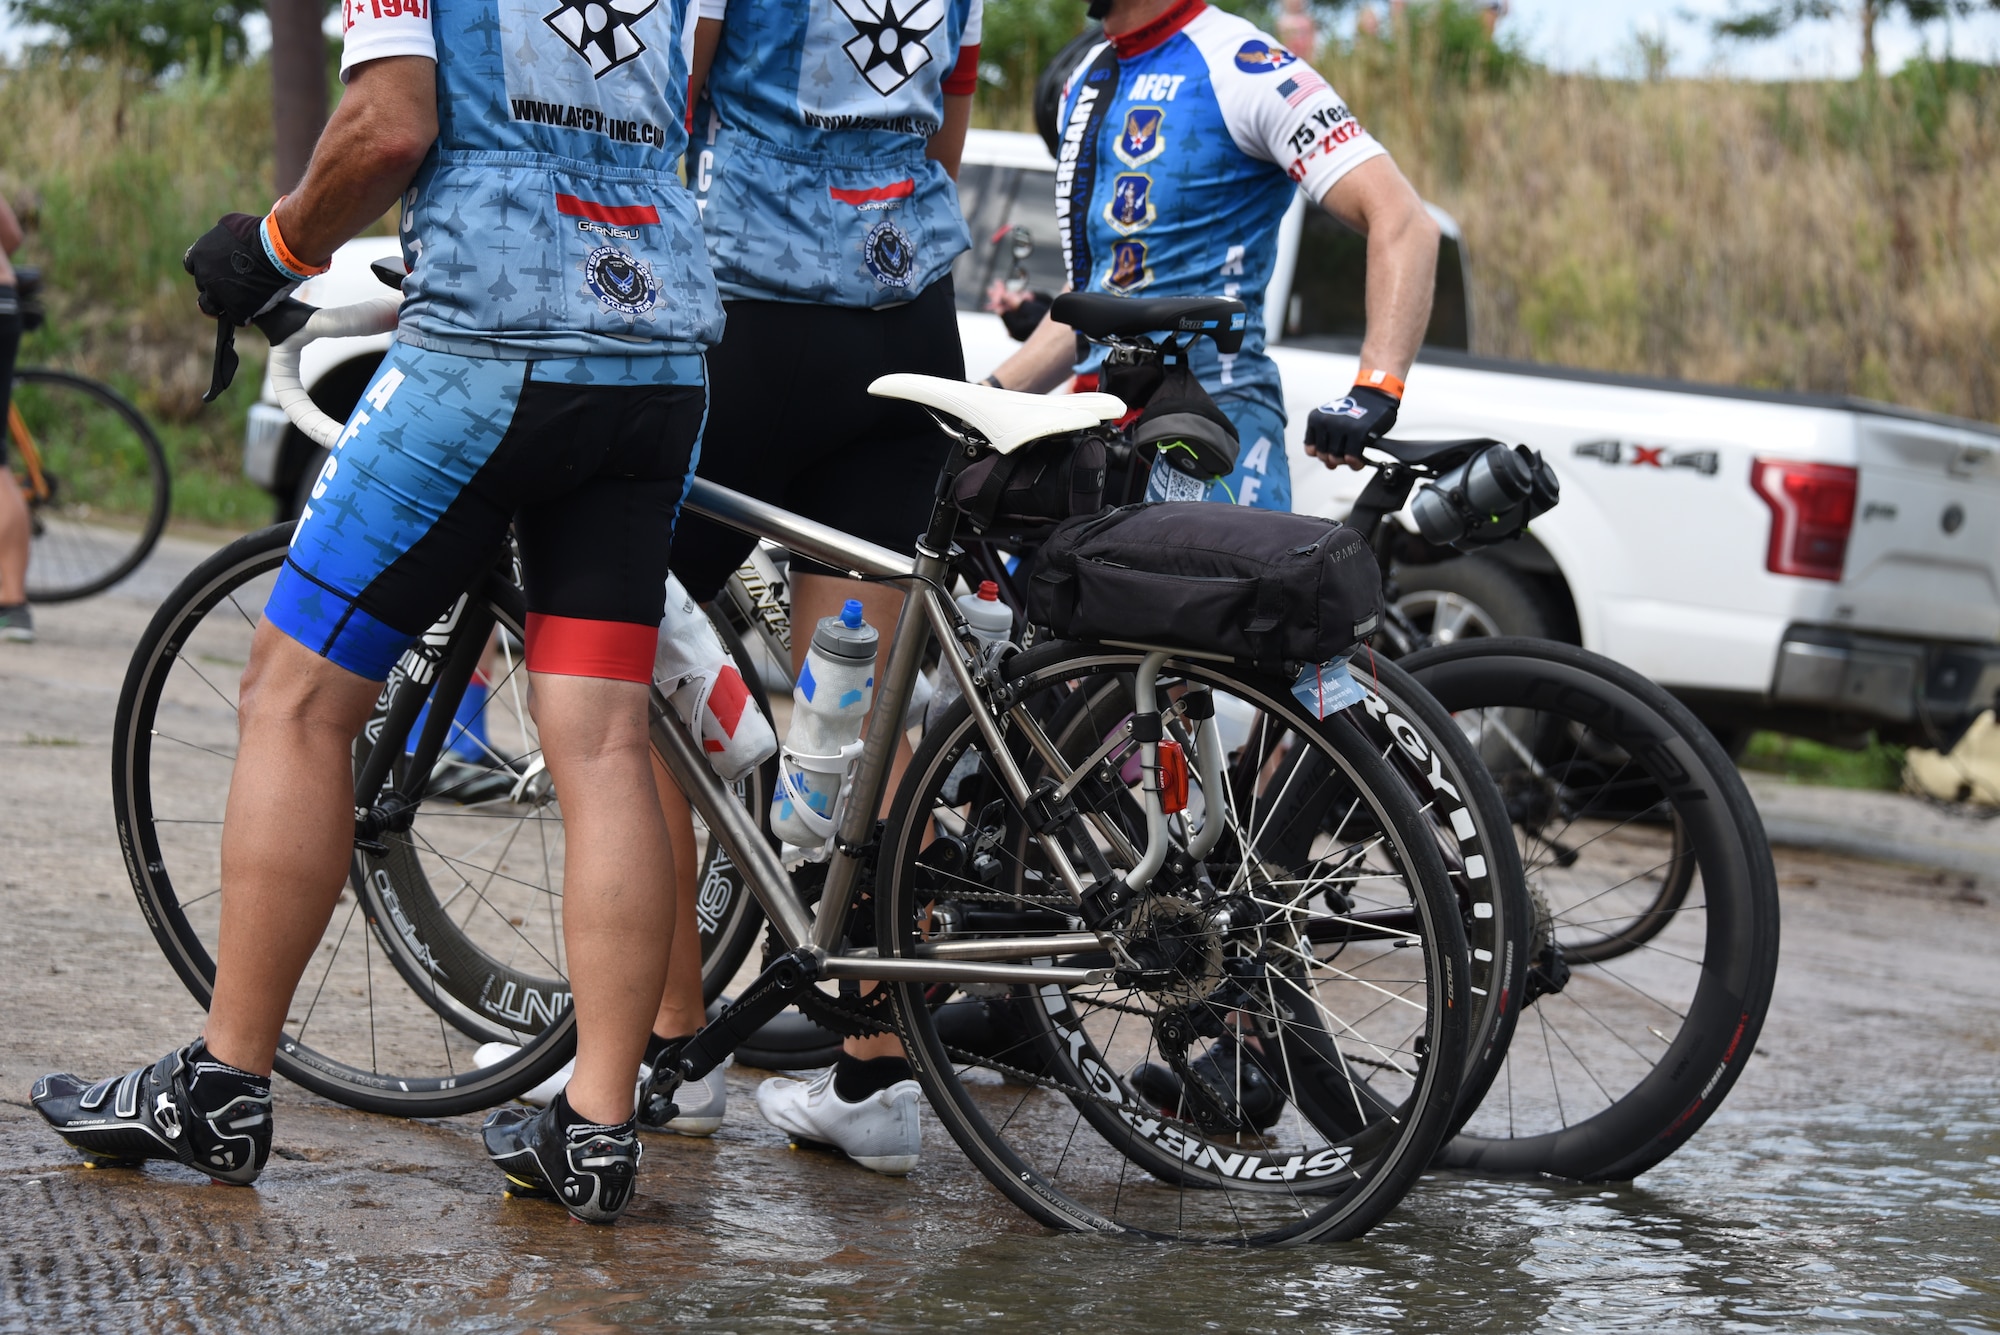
<point>199,592</point>
<point>156,519</point>
<point>1419,1138</point>
<point>1667,1106</point>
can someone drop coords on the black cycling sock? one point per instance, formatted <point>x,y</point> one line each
<point>664,1051</point>
<point>854,1078</point>
<point>567,1117</point>
<point>213,1084</point>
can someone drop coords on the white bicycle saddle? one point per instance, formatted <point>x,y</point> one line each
<point>1008,419</point>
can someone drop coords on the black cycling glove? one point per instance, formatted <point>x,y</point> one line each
<point>234,279</point>
<point>1026,317</point>
<point>1341,430</point>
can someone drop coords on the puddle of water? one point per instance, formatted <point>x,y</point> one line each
<point>1851,1219</point>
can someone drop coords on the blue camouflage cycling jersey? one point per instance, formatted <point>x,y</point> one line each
<point>1182,145</point>
<point>550,218</point>
<point>810,166</point>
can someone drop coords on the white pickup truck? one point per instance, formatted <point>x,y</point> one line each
<point>1818,565</point>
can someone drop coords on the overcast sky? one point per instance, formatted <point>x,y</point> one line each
<point>1598,34</point>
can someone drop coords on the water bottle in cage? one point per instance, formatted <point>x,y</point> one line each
<point>829,706</point>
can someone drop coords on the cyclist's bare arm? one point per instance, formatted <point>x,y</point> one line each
<point>1377,201</point>
<point>367,154</point>
<point>1043,362</point>
<point>707,36</point>
<point>10,240</point>
<point>947,146</point>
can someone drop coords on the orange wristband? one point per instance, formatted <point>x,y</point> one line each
<point>1382,381</point>
<point>274,242</point>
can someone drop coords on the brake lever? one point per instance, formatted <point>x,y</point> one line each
<point>277,324</point>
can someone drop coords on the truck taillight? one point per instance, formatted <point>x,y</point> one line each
<point>1812,512</point>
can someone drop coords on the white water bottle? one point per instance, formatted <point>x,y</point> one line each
<point>992,621</point>
<point>829,705</point>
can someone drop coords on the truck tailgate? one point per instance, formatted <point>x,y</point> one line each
<point>1924,556</point>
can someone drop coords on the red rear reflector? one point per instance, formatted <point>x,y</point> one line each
<point>1812,512</point>
<point>1173,777</point>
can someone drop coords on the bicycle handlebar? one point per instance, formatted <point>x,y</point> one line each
<point>356,321</point>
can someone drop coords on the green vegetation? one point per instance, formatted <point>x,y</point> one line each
<point>1876,765</point>
<point>1834,236</point>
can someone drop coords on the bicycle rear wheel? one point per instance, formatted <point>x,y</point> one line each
<point>1340,966</point>
<point>1648,858</point>
<point>95,478</point>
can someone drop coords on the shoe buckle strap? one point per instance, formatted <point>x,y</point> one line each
<point>126,1105</point>
<point>93,1098</point>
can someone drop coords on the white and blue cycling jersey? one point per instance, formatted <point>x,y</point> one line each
<point>1182,145</point>
<point>550,219</point>
<point>810,140</point>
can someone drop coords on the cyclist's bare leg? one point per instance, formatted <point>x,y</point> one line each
<point>618,877</point>
<point>681,1010</point>
<point>287,837</point>
<point>816,596</point>
<point>14,537</point>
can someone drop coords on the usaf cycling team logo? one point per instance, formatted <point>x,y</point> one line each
<point>888,44</point>
<point>1255,57</point>
<point>1141,140</point>
<point>621,282</point>
<point>890,255</point>
<point>601,30</point>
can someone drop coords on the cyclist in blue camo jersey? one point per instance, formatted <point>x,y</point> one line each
<point>547,374</point>
<point>1184,136</point>
<point>825,140</point>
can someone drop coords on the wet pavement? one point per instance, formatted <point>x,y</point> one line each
<point>1852,1181</point>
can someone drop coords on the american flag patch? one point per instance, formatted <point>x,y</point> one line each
<point>1300,87</point>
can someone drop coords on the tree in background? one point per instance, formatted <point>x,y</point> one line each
<point>156,36</point>
<point>298,84</point>
<point>1762,24</point>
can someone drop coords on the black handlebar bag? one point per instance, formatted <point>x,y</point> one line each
<point>1271,589</point>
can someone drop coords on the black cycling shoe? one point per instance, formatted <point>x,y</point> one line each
<point>1262,1102</point>
<point>589,1170</point>
<point>994,1028</point>
<point>161,1112</point>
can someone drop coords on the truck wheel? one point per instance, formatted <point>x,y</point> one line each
<point>1469,596</point>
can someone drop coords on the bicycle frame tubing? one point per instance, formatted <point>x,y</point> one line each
<point>924,612</point>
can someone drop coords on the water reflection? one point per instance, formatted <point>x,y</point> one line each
<point>1854,1219</point>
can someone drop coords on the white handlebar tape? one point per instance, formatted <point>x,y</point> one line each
<point>356,321</point>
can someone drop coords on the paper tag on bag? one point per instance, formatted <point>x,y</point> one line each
<point>1327,688</point>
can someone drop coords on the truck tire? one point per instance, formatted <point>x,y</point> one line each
<point>1472,595</point>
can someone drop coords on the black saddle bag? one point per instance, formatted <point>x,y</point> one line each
<point>1042,482</point>
<point>1271,589</point>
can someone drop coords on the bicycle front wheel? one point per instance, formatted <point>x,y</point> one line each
<point>1335,968</point>
<point>95,479</point>
<point>1658,942</point>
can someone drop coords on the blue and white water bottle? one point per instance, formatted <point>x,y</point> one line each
<point>829,706</point>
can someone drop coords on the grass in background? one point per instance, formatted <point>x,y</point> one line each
<point>115,177</point>
<point>1876,765</point>
<point>1836,237</point>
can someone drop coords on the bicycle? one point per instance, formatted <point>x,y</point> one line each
<point>93,473</point>
<point>1107,923</point>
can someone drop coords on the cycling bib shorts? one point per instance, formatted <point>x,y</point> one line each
<point>793,423</point>
<point>589,458</point>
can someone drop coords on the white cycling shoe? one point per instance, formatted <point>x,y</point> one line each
<point>701,1103</point>
<point>880,1132</point>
